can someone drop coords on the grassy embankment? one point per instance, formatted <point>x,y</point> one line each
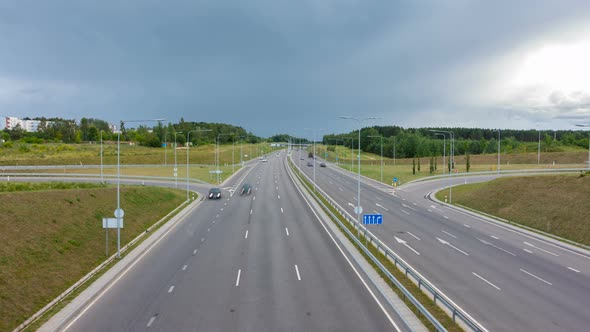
<point>51,235</point>
<point>161,161</point>
<point>554,204</point>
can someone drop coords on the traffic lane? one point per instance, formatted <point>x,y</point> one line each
<point>125,301</point>
<point>204,295</point>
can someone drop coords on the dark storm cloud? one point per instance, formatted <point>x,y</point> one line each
<point>270,66</point>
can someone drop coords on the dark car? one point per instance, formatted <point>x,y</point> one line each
<point>246,189</point>
<point>323,165</point>
<point>309,163</point>
<point>214,193</point>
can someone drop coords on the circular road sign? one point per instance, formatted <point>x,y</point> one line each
<point>119,213</point>
<point>358,209</point>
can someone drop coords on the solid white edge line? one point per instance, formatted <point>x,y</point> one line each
<point>484,279</point>
<point>449,234</point>
<point>238,278</point>
<point>171,289</point>
<point>494,237</point>
<point>406,212</point>
<point>549,252</point>
<point>414,236</point>
<point>121,275</point>
<point>571,268</point>
<point>297,270</point>
<point>536,277</point>
<point>466,225</point>
<point>350,263</point>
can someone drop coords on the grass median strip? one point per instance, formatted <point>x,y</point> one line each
<point>424,299</point>
<point>50,238</point>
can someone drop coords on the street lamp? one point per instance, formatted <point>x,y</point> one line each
<point>394,150</point>
<point>101,171</point>
<point>539,149</point>
<point>175,160</point>
<point>380,136</point>
<point>358,209</point>
<point>119,213</point>
<point>586,126</point>
<point>314,156</point>
<point>451,159</point>
<point>498,148</point>
<point>444,151</point>
<point>188,144</point>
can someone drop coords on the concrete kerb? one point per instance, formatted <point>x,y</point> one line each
<point>64,316</point>
<point>554,240</point>
<point>395,302</point>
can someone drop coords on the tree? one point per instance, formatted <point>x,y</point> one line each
<point>414,166</point>
<point>468,162</point>
<point>431,164</point>
<point>418,164</point>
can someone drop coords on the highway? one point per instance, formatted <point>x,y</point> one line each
<point>259,262</point>
<point>506,280</point>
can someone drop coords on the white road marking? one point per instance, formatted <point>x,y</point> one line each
<point>282,210</point>
<point>171,289</point>
<point>449,234</point>
<point>445,217</point>
<point>414,236</point>
<point>250,211</point>
<point>238,278</point>
<point>355,198</point>
<point>466,225</point>
<point>375,211</point>
<point>429,210</point>
<point>415,204</point>
<point>151,321</point>
<point>287,231</point>
<point>409,207</point>
<point>254,198</point>
<point>202,239</point>
<point>381,206</point>
<point>246,236</point>
<point>297,270</point>
<point>277,188</point>
<point>484,279</point>
<point>213,221</point>
<point>195,252</point>
<point>494,237</point>
<point>549,252</point>
<point>530,252</point>
<point>452,246</point>
<point>208,229</point>
<point>538,278</point>
<point>433,207</point>
<point>221,209</point>
<point>279,196</point>
<point>408,213</point>
<point>340,189</point>
<point>491,244</point>
<point>405,244</point>
<point>377,197</point>
<point>184,267</point>
<point>571,268</point>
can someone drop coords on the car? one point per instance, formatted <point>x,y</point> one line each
<point>246,189</point>
<point>214,193</point>
<point>323,165</point>
<point>309,163</point>
<point>264,160</point>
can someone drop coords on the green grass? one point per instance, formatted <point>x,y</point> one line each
<point>556,204</point>
<point>46,249</point>
<point>424,299</point>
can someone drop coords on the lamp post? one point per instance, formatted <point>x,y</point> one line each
<point>381,137</point>
<point>539,149</point>
<point>119,212</point>
<point>337,140</point>
<point>358,209</point>
<point>451,159</point>
<point>188,140</point>
<point>314,156</point>
<point>444,151</point>
<point>394,150</point>
<point>351,150</point>
<point>498,148</point>
<point>175,160</point>
<point>586,126</point>
<point>101,171</point>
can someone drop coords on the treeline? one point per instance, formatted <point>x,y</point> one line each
<point>91,130</point>
<point>426,142</point>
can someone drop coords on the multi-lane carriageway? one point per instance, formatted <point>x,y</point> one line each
<point>506,279</point>
<point>262,262</point>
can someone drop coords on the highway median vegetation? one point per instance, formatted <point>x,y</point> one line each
<point>51,235</point>
<point>555,204</point>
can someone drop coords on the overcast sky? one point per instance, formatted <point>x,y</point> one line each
<point>282,66</point>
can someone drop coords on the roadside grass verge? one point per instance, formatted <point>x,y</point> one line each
<point>555,204</point>
<point>50,239</point>
<point>423,298</point>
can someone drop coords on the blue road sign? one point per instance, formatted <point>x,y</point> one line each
<point>372,219</point>
<point>394,179</point>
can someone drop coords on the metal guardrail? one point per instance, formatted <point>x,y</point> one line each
<point>438,297</point>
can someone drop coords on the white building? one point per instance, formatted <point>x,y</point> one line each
<point>27,125</point>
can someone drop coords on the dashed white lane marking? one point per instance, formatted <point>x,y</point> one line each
<point>377,197</point>
<point>429,210</point>
<point>543,250</point>
<point>445,217</point>
<point>195,252</point>
<point>279,196</point>
<point>466,225</point>
<point>408,213</point>
<point>494,237</point>
<point>340,189</point>
<point>171,289</point>
<point>202,239</point>
<point>277,188</point>
<point>184,267</point>
<point>282,210</point>
<point>221,209</point>
<point>297,270</point>
<point>495,246</point>
<point>246,236</point>
<point>254,198</point>
<point>287,231</point>
<point>238,278</point>
<point>530,252</point>
<point>538,278</point>
<point>250,211</point>
<point>571,268</point>
<point>449,234</point>
<point>208,229</point>
<point>151,321</point>
<point>414,236</point>
<point>484,279</point>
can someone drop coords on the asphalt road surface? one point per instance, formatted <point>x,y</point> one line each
<point>506,280</point>
<point>258,262</point>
